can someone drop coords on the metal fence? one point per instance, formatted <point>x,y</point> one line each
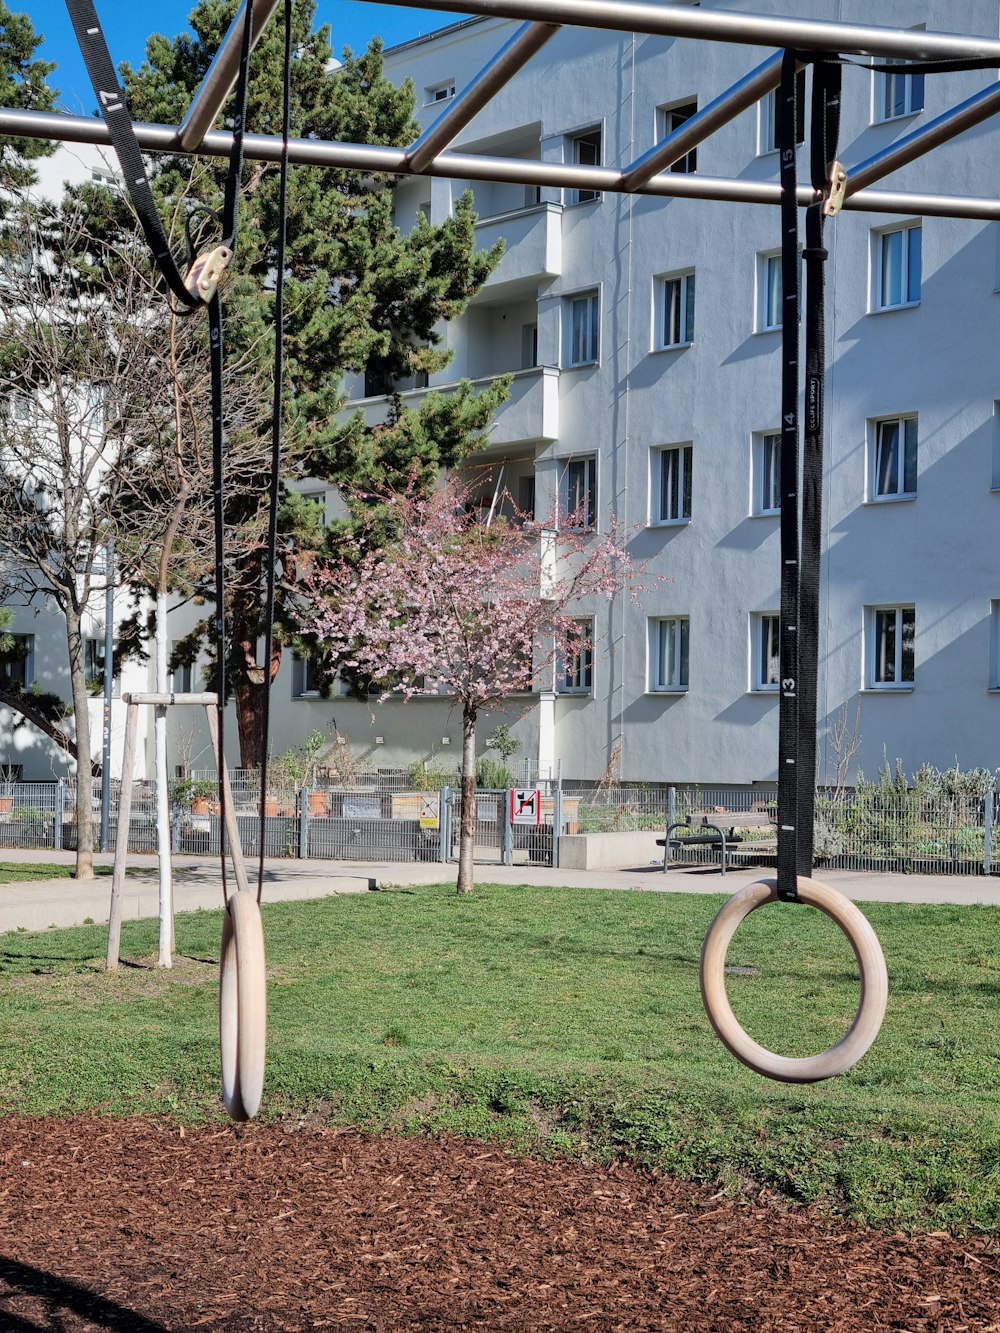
<point>904,831</point>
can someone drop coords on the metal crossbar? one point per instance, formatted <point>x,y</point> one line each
<point>648,174</point>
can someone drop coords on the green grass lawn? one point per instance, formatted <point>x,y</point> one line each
<point>562,1022</point>
<point>21,872</point>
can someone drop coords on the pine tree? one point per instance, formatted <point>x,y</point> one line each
<point>359,295</point>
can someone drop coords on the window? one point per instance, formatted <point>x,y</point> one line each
<point>307,680</point>
<point>93,664</point>
<point>19,408</point>
<point>769,291</point>
<point>768,118</point>
<point>896,266</point>
<point>17,664</point>
<point>579,491</point>
<point>890,632</point>
<point>995,645</point>
<point>893,471</point>
<point>529,346</point>
<point>583,343</point>
<point>766,463</point>
<point>182,676</point>
<point>673,484</point>
<point>765,653</point>
<point>675,315</point>
<point>671,119</point>
<point>586,150</point>
<point>577,673</point>
<point>897,94</point>
<point>439,92</point>
<point>668,654</point>
<point>526,499</point>
<point>95,409</point>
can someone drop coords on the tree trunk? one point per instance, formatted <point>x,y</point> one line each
<point>162,793</point>
<point>467,837</point>
<point>81,710</point>
<point>248,694</point>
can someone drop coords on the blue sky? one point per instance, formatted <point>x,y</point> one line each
<point>128,24</point>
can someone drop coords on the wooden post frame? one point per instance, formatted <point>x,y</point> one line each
<point>874,984</point>
<point>133,701</point>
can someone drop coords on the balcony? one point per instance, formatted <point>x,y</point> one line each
<point>530,415</point>
<point>533,251</point>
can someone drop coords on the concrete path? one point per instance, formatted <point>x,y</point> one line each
<point>42,904</point>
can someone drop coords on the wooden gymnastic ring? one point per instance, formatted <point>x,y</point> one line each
<point>871,963</point>
<point>242,1006</point>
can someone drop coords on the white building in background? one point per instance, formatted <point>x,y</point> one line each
<point>643,334</point>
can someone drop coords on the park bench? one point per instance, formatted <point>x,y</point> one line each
<point>720,836</point>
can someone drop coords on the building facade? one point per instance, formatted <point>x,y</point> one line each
<point>643,335</point>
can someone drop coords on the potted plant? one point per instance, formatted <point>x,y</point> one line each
<point>200,795</point>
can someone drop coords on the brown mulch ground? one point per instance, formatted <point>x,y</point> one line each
<point>141,1226</point>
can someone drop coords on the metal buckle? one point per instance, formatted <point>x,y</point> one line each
<point>836,190</point>
<point>203,276</point>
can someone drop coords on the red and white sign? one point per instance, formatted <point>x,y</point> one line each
<point>525,807</point>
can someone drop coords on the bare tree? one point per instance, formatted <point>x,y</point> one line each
<point>104,393</point>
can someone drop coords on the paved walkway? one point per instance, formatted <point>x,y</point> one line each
<point>42,904</point>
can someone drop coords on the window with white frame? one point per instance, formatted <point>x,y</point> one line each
<point>767,120</point>
<point>671,118</point>
<point>17,663</point>
<point>583,318</point>
<point>765,652</point>
<point>669,641</point>
<point>576,674</point>
<point>307,678</point>
<point>19,408</point>
<point>766,473</point>
<point>585,150</point>
<point>890,635</point>
<point>896,264</point>
<point>93,663</point>
<point>675,309</point>
<point>439,92</point>
<point>578,491</point>
<point>770,291</point>
<point>672,484</point>
<point>896,94</point>
<point>182,676</point>
<point>893,453</point>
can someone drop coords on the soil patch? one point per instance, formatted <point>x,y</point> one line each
<point>135,1225</point>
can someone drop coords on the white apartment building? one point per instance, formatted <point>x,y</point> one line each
<point>643,334</point>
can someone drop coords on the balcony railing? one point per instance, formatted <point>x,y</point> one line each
<point>530,414</point>
<point>533,251</point>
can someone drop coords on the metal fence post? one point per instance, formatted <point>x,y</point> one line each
<point>988,833</point>
<point>557,822</point>
<point>304,824</point>
<point>506,832</point>
<point>671,806</point>
<point>57,828</point>
<point>444,823</point>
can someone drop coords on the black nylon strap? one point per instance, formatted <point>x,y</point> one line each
<point>114,109</point>
<point>217,367</point>
<point>824,135</point>
<point>788,706</point>
<point>276,410</point>
<point>801,493</point>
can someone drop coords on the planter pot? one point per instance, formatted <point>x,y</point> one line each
<point>6,805</point>
<point>201,805</point>
<point>317,804</point>
<point>270,807</point>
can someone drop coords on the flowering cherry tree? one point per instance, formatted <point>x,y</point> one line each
<point>459,607</point>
